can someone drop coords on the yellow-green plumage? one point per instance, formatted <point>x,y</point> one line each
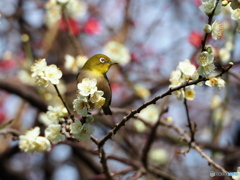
<point>96,67</point>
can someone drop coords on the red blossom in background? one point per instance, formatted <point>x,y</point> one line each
<point>92,26</point>
<point>73,26</point>
<point>115,87</point>
<point>135,56</point>
<point>195,38</point>
<point>2,116</point>
<point>198,2</point>
<point>7,64</point>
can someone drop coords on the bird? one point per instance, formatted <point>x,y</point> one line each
<point>96,67</point>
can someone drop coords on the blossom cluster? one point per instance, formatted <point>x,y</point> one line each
<point>44,74</point>
<point>82,131</point>
<point>185,72</point>
<point>88,97</point>
<point>32,142</point>
<point>205,62</point>
<point>216,29</point>
<point>209,5</point>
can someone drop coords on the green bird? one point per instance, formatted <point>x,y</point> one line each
<point>96,67</point>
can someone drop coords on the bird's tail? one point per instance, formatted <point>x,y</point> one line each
<point>107,110</point>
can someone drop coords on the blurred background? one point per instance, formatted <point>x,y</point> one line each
<point>148,38</point>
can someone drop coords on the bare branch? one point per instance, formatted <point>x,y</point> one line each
<point>187,138</point>
<point>153,101</point>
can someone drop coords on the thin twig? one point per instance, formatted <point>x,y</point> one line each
<point>192,131</point>
<point>65,105</point>
<point>210,17</point>
<point>150,140</point>
<point>187,138</point>
<point>137,175</point>
<point>191,128</point>
<point>11,131</point>
<point>133,163</point>
<point>103,160</point>
<point>72,38</point>
<point>153,101</point>
<point>234,75</point>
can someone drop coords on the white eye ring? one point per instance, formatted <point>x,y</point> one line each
<point>102,60</point>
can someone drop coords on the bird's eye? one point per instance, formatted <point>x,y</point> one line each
<point>102,60</point>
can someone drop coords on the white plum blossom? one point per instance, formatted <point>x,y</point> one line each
<point>236,16</point>
<point>180,94</point>
<point>81,106</point>
<point>206,70</point>
<point>44,74</point>
<point>213,81</point>
<point>87,86</point>
<point>117,52</point>
<point>141,91</point>
<point>217,30</point>
<point>75,128</point>
<point>56,114</point>
<point>85,132</point>
<point>89,97</point>
<point>97,99</point>
<point>96,96</point>
<point>220,83</point>
<point>224,55</point>
<point>26,142</point>
<point>159,155</point>
<point>81,131</point>
<point>38,68</point>
<point>53,133</point>
<point>185,71</point>
<point>208,6</point>
<point>52,74</point>
<point>186,67</point>
<point>189,94</point>
<point>175,78</point>
<point>31,141</point>
<point>42,144</point>
<point>150,114</point>
<point>205,58</point>
<point>76,9</point>
<point>205,61</point>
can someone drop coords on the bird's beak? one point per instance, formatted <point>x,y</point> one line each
<point>112,63</point>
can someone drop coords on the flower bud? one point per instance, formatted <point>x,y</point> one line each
<point>209,49</point>
<point>207,28</point>
<point>224,3</point>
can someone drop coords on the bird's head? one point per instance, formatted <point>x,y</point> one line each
<point>99,62</point>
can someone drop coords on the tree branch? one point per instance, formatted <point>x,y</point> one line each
<point>153,101</point>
